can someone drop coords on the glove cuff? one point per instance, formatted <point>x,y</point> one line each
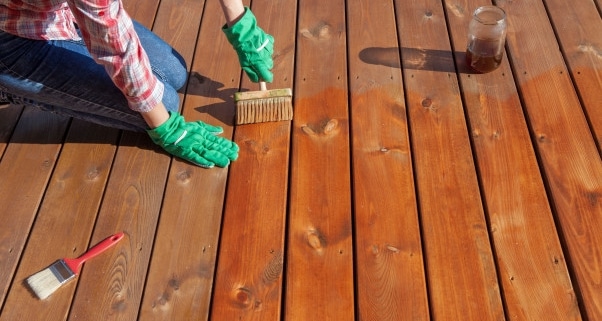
<point>158,134</point>
<point>245,24</point>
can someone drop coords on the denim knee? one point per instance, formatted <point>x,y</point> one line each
<point>171,100</point>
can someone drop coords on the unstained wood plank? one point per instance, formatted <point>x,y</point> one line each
<point>29,159</point>
<point>143,12</point>
<point>65,220</point>
<point>577,25</point>
<point>566,148</point>
<point>110,288</point>
<point>391,282</point>
<point>131,204</point>
<point>531,263</point>
<point>182,270</point>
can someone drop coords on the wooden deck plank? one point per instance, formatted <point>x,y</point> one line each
<point>581,44</point>
<point>182,271</point>
<point>248,284</point>
<point>29,159</point>
<point>460,267</point>
<point>65,220</point>
<point>319,268</point>
<point>131,204</point>
<point>500,172</point>
<point>391,281</point>
<point>566,148</point>
<point>531,264</point>
<point>143,12</point>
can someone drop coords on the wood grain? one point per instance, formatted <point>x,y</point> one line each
<point>181,277</point>
<point>318,219</point>
<point>577,26</point>
<point>566,148</point>
<point>319,273</point>
<point>131,204</point>
<point>29,160</point>
<point>249,278</point>
<point>65,220</point>
<point>460,268</point>
<point>143,12</point>
<point>391,282</point>
<point>531,263</point>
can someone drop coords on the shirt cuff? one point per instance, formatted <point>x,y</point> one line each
<point>147,101</point>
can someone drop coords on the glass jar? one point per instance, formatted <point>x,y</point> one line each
<point>486,38</point>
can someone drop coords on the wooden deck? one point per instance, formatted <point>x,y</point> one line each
<point>406,188</point>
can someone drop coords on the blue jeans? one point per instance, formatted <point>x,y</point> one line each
<point>60,76</point>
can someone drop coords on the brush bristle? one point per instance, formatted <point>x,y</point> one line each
<point>264,110</point>
<point>45,282</point>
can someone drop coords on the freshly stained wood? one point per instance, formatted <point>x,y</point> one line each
<point>319,269</point>
<point>532,267</point>
<point>391,282</point>
<point>568,154</point>
<point>459,262</point>
<point>249,279</point>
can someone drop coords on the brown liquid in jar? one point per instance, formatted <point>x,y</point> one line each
<point>484,55</point>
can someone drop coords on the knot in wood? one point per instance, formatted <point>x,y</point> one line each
<point>315,240</point>
<point>243,296</point>
<point>184,176</point>
<point>325,129</point>
<point>93,174</point>
<point>321,31</point>
<point>330,126</point>
<point>174,284</point>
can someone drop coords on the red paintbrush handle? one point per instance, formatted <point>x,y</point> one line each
<point>76,264</point>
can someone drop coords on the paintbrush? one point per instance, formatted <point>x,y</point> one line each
<point>47,281</point>
<point>263,105</point>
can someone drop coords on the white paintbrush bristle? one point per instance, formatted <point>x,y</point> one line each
<point>45,282</point>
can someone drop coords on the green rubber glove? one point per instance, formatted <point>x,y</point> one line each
<point>195,142</point>
<point>253,46</point>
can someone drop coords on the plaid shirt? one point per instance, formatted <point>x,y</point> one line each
<point>107,31</point>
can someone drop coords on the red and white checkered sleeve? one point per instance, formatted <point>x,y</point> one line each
<point>109,34</point>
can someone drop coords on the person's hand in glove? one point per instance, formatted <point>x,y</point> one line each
<point>195,142</point>
<point>253,46</point>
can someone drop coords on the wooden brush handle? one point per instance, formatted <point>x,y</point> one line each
<point>76,264</point>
